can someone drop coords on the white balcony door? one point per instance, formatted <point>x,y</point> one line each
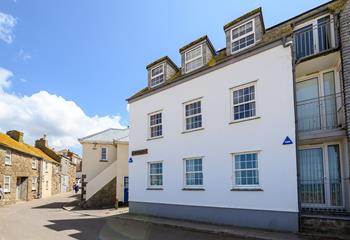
<point>320,176</point>
<point>316,103</point>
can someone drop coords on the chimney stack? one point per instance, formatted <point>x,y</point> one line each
<point>41,142</point>
<point>16,135</point>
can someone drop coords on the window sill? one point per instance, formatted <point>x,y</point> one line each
<point>193,189</point>
<point>244,120</point>
<point>103,160</point>
<point>154,138</point>
<point>9,165</point>
<point>253,189</point>
<point>153,188</point>
<point>193,130</point>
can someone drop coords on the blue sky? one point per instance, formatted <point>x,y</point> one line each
<point>94,53</point>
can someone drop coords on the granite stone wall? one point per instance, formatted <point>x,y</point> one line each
<point>21,167</point>
<point>105,197</point>
<point>56,179</point>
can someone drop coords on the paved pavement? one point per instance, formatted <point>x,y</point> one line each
<point>45,219</point>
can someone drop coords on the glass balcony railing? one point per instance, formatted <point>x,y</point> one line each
<point>323,113</point>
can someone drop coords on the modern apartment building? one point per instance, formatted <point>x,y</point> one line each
<point>255,134</point>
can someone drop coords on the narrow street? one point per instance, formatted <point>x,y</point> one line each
<point>46,219</point>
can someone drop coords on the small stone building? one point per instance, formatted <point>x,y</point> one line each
<point>21,168</point>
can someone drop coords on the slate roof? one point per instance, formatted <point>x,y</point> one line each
<point>108,136</point>
<point>7,141</point>
<point>270,35</point>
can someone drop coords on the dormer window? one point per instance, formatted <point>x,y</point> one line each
<point>157,75</point>
<point>194,59</point>
<point>242,36</point>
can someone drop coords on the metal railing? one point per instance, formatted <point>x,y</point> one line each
<point>314,39</point>
<point>322,192</point>
<point>323,113</point>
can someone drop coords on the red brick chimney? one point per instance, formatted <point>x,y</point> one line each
<point>16,135</point>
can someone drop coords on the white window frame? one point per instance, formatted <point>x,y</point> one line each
<point>34,183</point>
<point>193,59</point>
<point>101,156</point>
<point>158,174</point>
<point>157,75</point>
<point>184,173</point>
<point>8,157</point>
<point>314,23</point>
<point>237,88</point>
<point>7,179</point>
<point>251,186</point>
<point>159,124</point>
<point>34,163</point>
<point>243,36</point>
<point>190,116</point>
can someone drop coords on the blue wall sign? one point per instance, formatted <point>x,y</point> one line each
<point>287,141</point>
<point>130,160</point>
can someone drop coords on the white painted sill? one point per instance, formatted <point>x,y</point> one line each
<point>154,138</point>
<point>244,120</point>
<point>193,189</point>
<point>155,188</point>
<point>247,189</point>
<point>193,130</point>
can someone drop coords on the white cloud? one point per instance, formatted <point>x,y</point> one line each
<point>7,23</point>
<point>5,76</point>
<point>43,113</point>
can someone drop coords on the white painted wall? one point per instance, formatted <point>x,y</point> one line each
<point>116,166</point>
<point>92,164</point>
<point>273,71</point>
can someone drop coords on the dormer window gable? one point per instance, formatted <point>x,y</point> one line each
<point>244,32</point>
<point>196,54</point>
<point>160,71</point>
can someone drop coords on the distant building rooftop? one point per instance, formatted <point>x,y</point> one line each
<point>110,135</point>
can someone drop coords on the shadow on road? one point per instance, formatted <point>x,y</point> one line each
<point>88,229</point>
<point>51,205</point>
<point>125,229</point>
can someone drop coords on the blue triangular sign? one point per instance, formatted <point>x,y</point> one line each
<point>287,141</point>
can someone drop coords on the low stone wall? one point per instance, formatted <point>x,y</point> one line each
<point>326,224</point>
<point>105,197</point>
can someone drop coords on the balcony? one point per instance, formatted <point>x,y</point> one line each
<point>321,114</point>
<point>315,38</point>
<point>322,193</point>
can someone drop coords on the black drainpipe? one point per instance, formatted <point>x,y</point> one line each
<point>296,131</point>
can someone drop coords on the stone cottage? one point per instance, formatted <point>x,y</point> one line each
<point>21,174</point>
